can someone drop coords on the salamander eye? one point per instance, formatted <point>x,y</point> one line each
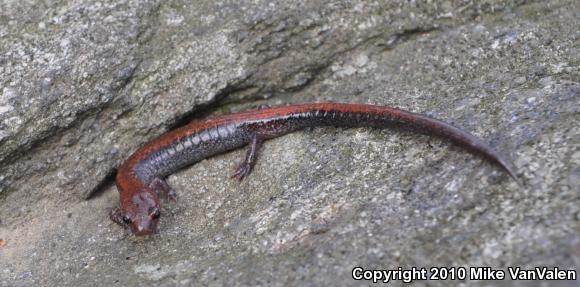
<point>156,213</point>
<point>126,219</point>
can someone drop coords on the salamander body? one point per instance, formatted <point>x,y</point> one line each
<point>142,175</point>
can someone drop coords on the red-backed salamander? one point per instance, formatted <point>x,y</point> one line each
<point>142,175</point>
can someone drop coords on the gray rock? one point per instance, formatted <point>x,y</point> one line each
<point>82,85</point>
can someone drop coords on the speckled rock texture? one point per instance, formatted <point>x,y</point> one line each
<point>84,83</point>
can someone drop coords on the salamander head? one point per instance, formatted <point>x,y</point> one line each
<point>140,213</point>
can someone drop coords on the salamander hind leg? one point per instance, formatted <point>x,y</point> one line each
<point>166,190</point>
<point>245,168</point>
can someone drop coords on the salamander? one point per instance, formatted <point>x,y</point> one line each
<point>141,176</point>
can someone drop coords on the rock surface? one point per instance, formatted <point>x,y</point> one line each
<point>83,84</point>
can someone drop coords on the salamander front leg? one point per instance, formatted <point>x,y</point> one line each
<point>166,190</point>
<point>118,217</point>
<point>251,156</point>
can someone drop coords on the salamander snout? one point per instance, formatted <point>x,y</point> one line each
<point>145,224</point>
<point>140,224</point>
<point>140,214</point>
